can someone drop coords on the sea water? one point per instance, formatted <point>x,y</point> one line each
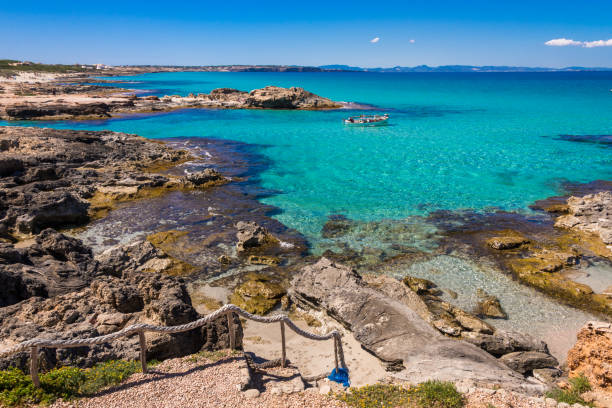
<point>454,141</point>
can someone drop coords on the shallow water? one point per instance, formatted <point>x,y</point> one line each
<point>456,140</point>
<point>528,311</point>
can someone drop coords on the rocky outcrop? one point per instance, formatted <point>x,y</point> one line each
<point>489,306</point>
<point>253,237</point>
<point>395,333</point>
<point>59,110</point>
<point>274,97</point>
<point>503,342</point>
<point>590,214</point>
<point>132,293</point>
<point>55,264</point>
<point>63,102</point>
<point>62,178</point>
<point>526,361</point>
<point>258,294</point>
<point>591,356</point>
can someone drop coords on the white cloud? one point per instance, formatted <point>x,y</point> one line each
<point>411,41</point>
<point>563,42</point>
<point>600,43</point>
<point>375,40</point>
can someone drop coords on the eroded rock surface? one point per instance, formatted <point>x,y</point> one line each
<point>591,356</point>
<point>53,103</point>
<point>131,293</point>
<point>395,333</point>
<point>591,213</point>
<point>55,264</point>
<point>49,177</point>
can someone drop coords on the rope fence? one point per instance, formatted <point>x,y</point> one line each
<point>35,345</point>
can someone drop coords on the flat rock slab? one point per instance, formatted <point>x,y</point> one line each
<point>396,334</point>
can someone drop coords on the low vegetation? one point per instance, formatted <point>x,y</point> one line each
<point>16,387</point>
<point>9,67</point>
<point>571,395</point>
<point>430,394</point>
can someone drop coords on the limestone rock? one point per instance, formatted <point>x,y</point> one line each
<point>489,306</point>
<point>252,236</point>
<point>592,355</point>
<point>591,214</point>
<point>108,305</point>
<point>206,178</point>
<point>395,333</point>
<point>274,97</point>
<point>503,342</point>
<point>258,295</point>
<point>507,242</point>
<point>527,361</point>
<point>55,264</point>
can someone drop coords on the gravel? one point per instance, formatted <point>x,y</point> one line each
<point>184,383</point>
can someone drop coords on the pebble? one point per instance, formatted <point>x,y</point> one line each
<point>324,389</point>
<point>251,393</point>
<point>563,405</point>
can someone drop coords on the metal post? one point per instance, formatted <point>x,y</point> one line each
<point>34,366</point>
<point>143,351</point>
<point>284,347</point>
<point>230,328</point>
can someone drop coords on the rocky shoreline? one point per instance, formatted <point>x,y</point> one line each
<point>64,180</point>
<point>69,97</point>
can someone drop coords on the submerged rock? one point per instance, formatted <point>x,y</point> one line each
<point>510,240</point>
<point>395,333</point>
<point>336,226</point>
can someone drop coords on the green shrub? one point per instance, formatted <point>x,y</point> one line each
<point>63,382</point>
<point>578,385</point>
<point>378,395</point>
<point>439,394</point>
<point>16,388</point>
<point>430,394</point>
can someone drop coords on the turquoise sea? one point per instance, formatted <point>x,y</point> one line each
<point>455,140</point>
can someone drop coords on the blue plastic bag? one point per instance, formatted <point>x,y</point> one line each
<point>340,376</point>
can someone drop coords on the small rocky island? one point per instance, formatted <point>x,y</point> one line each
<point>66,97</point>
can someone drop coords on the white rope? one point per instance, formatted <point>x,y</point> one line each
<point>133,329</point>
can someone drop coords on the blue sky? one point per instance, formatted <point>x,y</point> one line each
<point>309,33</point>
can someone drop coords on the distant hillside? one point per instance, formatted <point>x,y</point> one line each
<point>459,68</point>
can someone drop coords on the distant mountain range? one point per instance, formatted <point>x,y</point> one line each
<point>458,68</point>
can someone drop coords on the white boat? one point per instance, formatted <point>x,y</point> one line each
<point>367,120</point>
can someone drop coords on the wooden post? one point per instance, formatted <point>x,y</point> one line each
<point>143,351</point>
<point>34,366</point>
<point>336,352</point>
<point>230,328</point>
<point>284,348</point>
